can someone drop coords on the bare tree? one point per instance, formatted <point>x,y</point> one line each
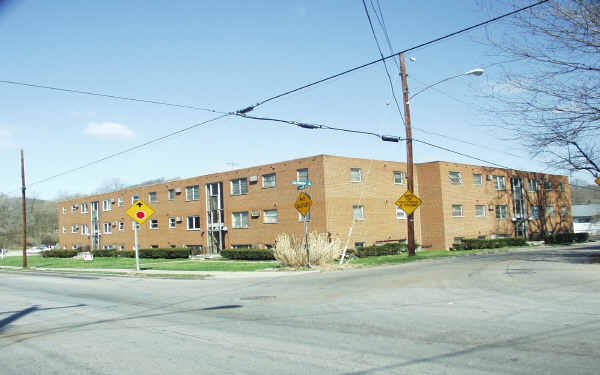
<point>552,104</point>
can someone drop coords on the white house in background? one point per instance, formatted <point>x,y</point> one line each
<point>586,218</point>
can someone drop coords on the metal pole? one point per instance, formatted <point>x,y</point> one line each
<point>409,157</point>
<point>24,211</point>
<point>137,255</point>
<point>306,241</point>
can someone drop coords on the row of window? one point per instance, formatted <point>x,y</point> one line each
<point>356,176</point>
<point>500,182</point>
<point>502,211</point>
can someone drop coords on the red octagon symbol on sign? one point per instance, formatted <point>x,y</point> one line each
<point>140,214</point>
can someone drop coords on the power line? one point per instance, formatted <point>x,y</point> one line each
<point>83,92</point>
<point>421,45</point>
<point>154,140</point>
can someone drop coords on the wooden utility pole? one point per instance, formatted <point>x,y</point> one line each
<point>409,157</point>
<point>24,211</point>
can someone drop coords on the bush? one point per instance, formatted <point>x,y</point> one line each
<point>157,253</point>
<point>582,237</point>
<point>566,238</point>
<point>376,251</point>
<point>105,253</point>
<point>248,254</point>
<point>475,244</point>
<point>59,253</point>
<point>290,251</point>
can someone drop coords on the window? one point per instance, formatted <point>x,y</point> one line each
<point>153,224</point>
<point>499,183</point>
<point>64,210</point>
<point>193,223</point>
<point>562,187</point>
<point>563,211</point>
<point>85,229</point>
<point>134,225</point>
<point>532,185</point>
<point>192,193</point>
<point>400,214</point>
<point>398,178</point>
<point>74,247</point>
<point>355,175</point>
<point>121,248</point>
<point>270,216</point>
<point>74,228</point>
<point>239,220</point>
<point>134,198</point>
<point>535,212</point>
<point>302,175</point>
<point>501,212</point>
<point>121,226</point>
<point>106,205</point>
<point>549,211</point>
<point>477,180</point>
<point>120,202</point>
<point>548,185</point>
<point>457,210</point>
<point>152,197</point>
<point>455,178</point>
<point>171,194</point>
<point>241,246</point>
<point>171,222</point>
<point>358,245</point>
<point>358,212</point>
<point>84,208</point>
<point>154,246</point>
<point>269,180</point>
<point>73,208</point>
<point>64,229</point>
<point>479,211</point>
<point>107,228</point>
<point>239,186</point>
<point>301,218</point>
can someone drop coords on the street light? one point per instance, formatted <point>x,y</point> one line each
<point>409,154</point>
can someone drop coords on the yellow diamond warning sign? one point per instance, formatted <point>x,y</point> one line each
<point>303,203</point>
<point>408,202</point>
<point>140,212</point>
<point>598,181</point>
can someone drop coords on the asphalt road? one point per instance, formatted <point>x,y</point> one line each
<point>527,312</point>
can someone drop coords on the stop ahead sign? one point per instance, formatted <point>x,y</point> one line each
<point>140,212</point>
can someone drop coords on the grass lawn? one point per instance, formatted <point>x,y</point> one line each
<point>129,263</point>
<point>404,258</point>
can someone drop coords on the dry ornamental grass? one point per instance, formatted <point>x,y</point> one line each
<point>291,251</point>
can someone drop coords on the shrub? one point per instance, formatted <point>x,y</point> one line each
<point>290,251</point>
<point>582,237</point>
<point>105,253</point>
<point>475,243</point>
<point>157,253</point>
<point>59,253</point>
<point>248,254</point>
<point>376,251</point>
<point>566,238</point>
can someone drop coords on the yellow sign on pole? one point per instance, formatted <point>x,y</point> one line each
<point>598,181</point>
<point>303,203</point>
<point>140,212</point>
<point>408,202</point>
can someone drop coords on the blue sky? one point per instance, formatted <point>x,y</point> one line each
<point>228,55</point>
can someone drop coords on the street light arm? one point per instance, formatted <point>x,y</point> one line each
<point>474,72</point>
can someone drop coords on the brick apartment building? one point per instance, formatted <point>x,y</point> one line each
<point>250,207</point>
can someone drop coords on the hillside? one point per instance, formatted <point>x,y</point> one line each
<point>42,222</point>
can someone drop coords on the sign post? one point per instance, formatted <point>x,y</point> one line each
<point>140,212</point>
<point>303,204</point>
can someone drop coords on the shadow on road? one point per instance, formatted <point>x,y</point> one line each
<point>21,313</point>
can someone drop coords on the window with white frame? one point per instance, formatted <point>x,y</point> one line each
<point>479,210</point>
<point>193,223</point>
<point>355,175</point>
<point>563,211</point>
<point>499,183</point>
<point>400,214</point>
<point>270,216</point>
<point>134,225</point>
<point>152,197</point>
<point>85,229</point>
<point>153,223</point>
<point>562,187</point>
<point>64,229</point>
<point>501,212</point>
<point>269,180</point>
<point>457,210</point>
<point>107,228</point>
<point>192,193</point>
<point>548,185</point>
<point>74,247</point>
<point>549,211</point>
<point>239,186</point>
<point>358,212</point>
<point>398,178</point>
<point>171,223</point>
<point>535,212</point>
<point>455,178</point>
<point>119,202</point>
<point>121,226</point>
<point>73,208</point>
<point>239,220</point>
<point>134,198</point>
<point>84,208</point>
<point>301,218</point>
<point>106,205</point>
<point>171,194</point>
<point>477,179</point>
<point>74,228</point>
<point>302,175</point>
<point>532,185</point>
<point>358,245</point>
<point>121,247</point>
<point>64,210</point>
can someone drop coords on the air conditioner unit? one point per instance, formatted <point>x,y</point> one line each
<point>255,213</point>
<point>489,177</point>
<point>253,178</point>
<point>491,207</point>
<point>112,200</point>
<point>178,219</point>
<point>178,191</point>
<point>114,223</point>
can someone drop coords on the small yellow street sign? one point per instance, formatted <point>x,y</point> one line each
<point>303,203</point>
<point>140,212</point>
<point>598,181</point>
<point>408,202</point>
